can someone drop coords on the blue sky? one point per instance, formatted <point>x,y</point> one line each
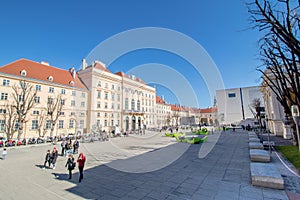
<point>64,32</point>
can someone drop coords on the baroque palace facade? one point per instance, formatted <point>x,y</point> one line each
<point>91,98</point>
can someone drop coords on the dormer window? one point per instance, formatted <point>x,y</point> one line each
<point>71,82</point>
<point>50,78</point>
<point>23,72</point>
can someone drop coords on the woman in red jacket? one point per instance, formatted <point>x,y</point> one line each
<point>81,160</point>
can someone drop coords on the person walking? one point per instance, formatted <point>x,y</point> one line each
<point>54,155</point>
<point>4,153</point>
<point>75,146</point>
<point>63,147</point>
<point>47,159</point>
<point>70,164</point>
<point>68,147</point>
<point>81,161</point>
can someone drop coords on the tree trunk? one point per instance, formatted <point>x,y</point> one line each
<point>20,130</point>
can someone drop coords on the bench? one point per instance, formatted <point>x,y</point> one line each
<point>268,143</point>
<point>254,139</point>
<point>266,175</point>
<point>258,155</point>
<point>255,145</point>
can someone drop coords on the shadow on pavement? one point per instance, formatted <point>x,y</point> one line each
<point>104,182</point>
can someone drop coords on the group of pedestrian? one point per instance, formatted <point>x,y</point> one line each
<point>68,148</point>
<point>71,164</point>
<point>51,158</point>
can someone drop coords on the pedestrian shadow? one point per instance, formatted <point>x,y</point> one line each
<point>39,166</point>
<point>65,176</point>
<point>42,166</point>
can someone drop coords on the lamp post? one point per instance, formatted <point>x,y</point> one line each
<point>266,118</point>
<point>295,114</point>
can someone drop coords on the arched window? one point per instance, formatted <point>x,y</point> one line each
<point>132,104</point>
<point>126,103</point>
<point>138,105</point>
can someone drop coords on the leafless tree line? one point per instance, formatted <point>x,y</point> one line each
<point>18,109</point>
<point>279,47</point>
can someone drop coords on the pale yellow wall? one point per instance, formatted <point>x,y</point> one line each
<point>79,110</point>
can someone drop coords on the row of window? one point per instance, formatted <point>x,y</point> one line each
<point>48,124</point>
<point>6,82</point>
<point>4,96</point>
<point>132,91</point>
<point>127,90</point>
<point>106,105</point>
<point>37,112</point>
<point>106,86</point>
<point>106,122</point>
<point>106,114</point>
<point>106,96</point>
<point>62,91</point>
<point>138,106</point>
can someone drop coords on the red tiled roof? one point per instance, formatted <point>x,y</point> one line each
<point>122,74</point>
<point>42,72</point>
<point>140,80</point>
<point>176,108</point>
<point>100,65</point>
<point>159,100</point>
<point>209,110</point>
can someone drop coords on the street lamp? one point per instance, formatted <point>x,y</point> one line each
<point>295,114</point>
<point>267,119</point>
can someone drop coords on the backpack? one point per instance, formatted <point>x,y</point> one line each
<point>72,165</point>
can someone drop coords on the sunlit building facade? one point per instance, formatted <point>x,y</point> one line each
<point>117,99</point>
<point>49,83</point>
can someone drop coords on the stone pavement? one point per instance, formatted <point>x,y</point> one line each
<point>137,168</point>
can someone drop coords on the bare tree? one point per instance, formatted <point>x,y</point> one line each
<point>279,48</point>
<point>23,101</point>
<point>10,120</point>
<point>256,105</point>
<point>54,108</point>
<point>42,117</point>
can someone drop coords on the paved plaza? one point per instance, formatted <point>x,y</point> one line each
<point>151,166</point>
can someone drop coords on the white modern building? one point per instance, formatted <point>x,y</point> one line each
<point>236,104</point>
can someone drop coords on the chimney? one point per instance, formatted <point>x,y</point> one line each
<point>73,72</point>
<point>84,64</point>
<point>44,63</point>
<point>132,77</point>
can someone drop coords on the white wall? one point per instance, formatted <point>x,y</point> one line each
<point>230,101</point>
